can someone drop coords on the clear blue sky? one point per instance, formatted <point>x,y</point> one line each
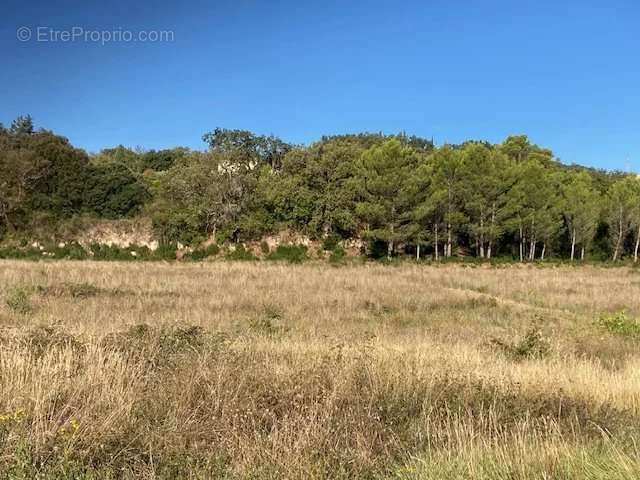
<point>565,73</point>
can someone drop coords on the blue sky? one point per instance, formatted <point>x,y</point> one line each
<point>565,73</point>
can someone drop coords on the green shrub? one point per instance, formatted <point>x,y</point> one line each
<point>109,252</point>
<point>19,300</point>
<point>619,323</point>
<point>270,323</point>
<point>331,243</point>
<point>202,253</point>
<point>240,253</point>
<point>28,253</point>
<point>165,251</point>
<point>134,252</point>
<point>71,251</point>
<point>289,253</point>
<point>337,255</point>
<point>532,345</point>
<point>264,248</point>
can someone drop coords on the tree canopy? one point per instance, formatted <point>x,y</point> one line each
<point>512,199</point>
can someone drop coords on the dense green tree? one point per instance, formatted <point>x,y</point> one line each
<point>40,171</point>
<point>581,208</point>
<point>635,215</point>
<point>447,185</point>
<point>161,160</point>
<point>203,192</point>
<point>327,171</point>
<point>486,178</point>
<point>247,148</point>
<point>532,206</point>
<point>20,170</point>
<point>384,172</point>
<point>23,125</point>
<point>112,191</point>
<point>429,206</point>
<point>621,203</point>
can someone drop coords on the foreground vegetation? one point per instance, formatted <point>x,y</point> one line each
<point>396,194</point>
<point>266,370</point>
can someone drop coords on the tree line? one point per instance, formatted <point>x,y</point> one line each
<point>400,194</point>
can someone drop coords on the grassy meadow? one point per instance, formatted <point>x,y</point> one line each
<point>263,370</point>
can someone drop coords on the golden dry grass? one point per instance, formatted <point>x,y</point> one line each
<point>263,370</point>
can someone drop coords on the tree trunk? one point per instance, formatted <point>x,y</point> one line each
<point>582,254</point>
<point>390,249</point>
<point>532,249</point>
<point>635,251</point>
<point>436,239</point>
<point>544,248</point>
<point>616,252</point>
<point>492,230</point>
<point>521,244</point>
<point>481,235</point>
<point>5,217</point>
<point>573,243</point>
<point>449,209</point>
<point>418,252</point>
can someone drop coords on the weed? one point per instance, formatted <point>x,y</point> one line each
<point>202,253</point>
<point>240,253</point>
<point>42,339</point>
<point>74,290</point>
<point>19,300</point>
<point>337,256</point>
<point>532,345</point>
<point>270,323</point>
<point>289,253</point>
<point>620,324</point>
<point>331,243</point>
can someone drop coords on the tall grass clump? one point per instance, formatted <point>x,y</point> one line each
<point>289,253</point>
<point>620,323</point>
<point>19,300</point>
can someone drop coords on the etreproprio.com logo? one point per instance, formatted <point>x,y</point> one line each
<point>45,34</point>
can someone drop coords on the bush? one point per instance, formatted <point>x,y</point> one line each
<point>289,253</point>
<point>331,243</point>
<point>110,252</point>
<point>264,248</point>
<point>71,251</point>
<point>19,301</point>
<point>240,253</point>
<point>532,345</point>
<point>27,253</point>
<point>337,255</point>
<point>166,251</point>
<point>270,323</point>
<point>202,253</point>
<point>619,323</point>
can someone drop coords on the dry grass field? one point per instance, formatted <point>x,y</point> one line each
<point>264,370</point>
